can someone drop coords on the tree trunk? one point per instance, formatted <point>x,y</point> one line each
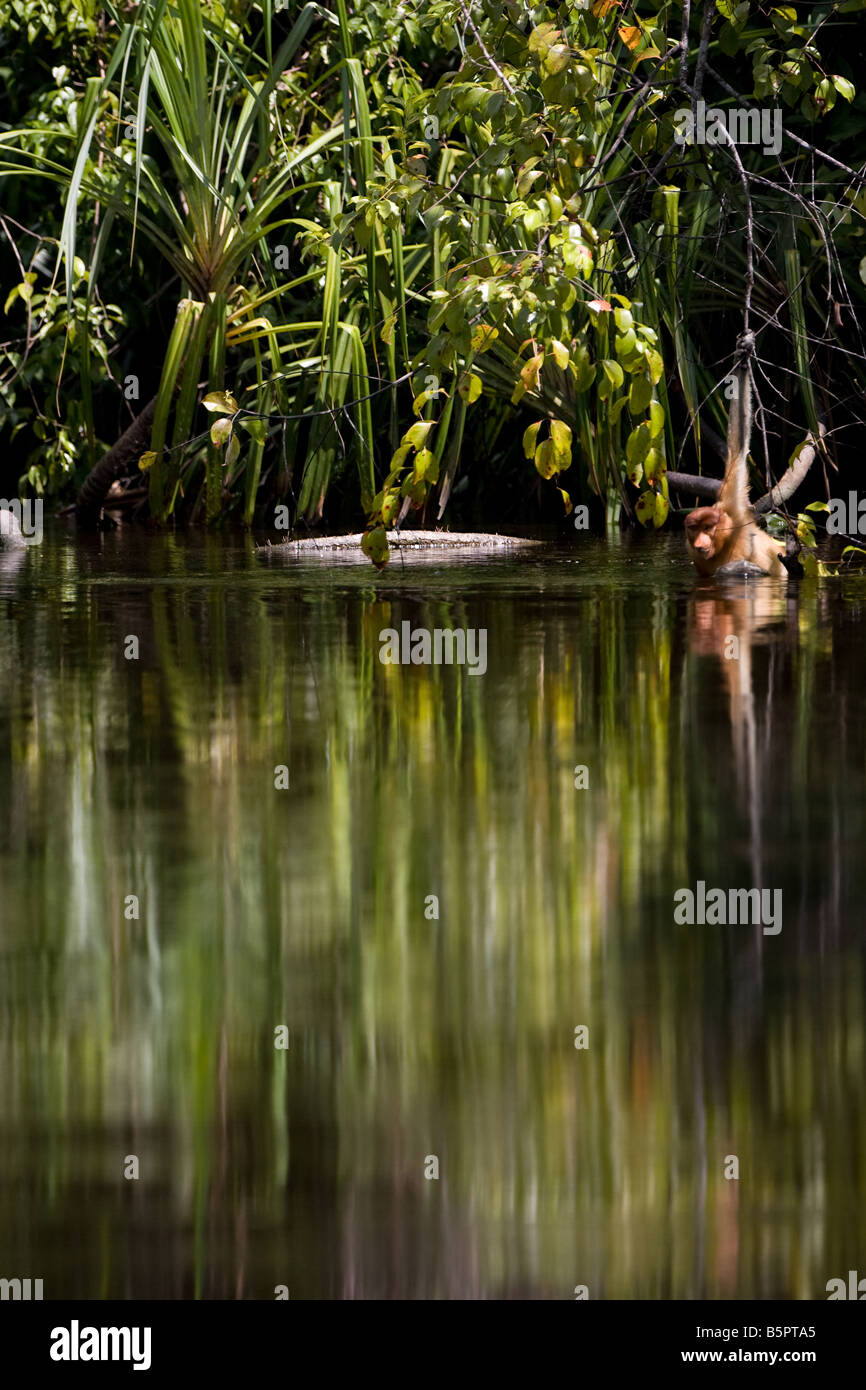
<point>121,459</point>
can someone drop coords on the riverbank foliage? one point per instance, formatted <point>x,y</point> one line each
<point>444,258</point>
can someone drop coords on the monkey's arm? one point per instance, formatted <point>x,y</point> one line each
<point>734,493</point>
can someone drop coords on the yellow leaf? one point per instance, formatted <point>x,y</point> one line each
<point>529,373</point>
<point>469,387</point>
<point>529,437</point>
<point>399,457</point>
<point>560,435</point>
<point>630,35</point>
<point>483,337</point>
<point>545,461</point>
<point>223,402</point>
<point>560,353</point>
<point>146,460</point>
<point>416,435</point>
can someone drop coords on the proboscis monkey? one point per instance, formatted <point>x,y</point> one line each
<point>727,534</point>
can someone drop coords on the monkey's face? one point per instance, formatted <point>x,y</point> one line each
<point>706,533</point>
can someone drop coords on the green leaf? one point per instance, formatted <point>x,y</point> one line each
<point>416,435</point>
<point>655,364</point>
<point>415,489</point>
<point>399,457</point>
<point>529,437</point>
<point>221,431</point>
<point>374,544</point>
<point>257,428</point>
<point>146,460</point>
<point>426,467</point>
<point>637,445</point>
<point>652,509</point>
<point>640,393</point>
<point>545,459</point>
<point>583,368</point>
<point>653,469</point>
<point>469,387</point>
<point>611,378</point>
<point>560,434</point>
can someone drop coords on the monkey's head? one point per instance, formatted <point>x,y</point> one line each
<point>707,531</point>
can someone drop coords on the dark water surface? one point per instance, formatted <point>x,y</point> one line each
<point>412,1037</point>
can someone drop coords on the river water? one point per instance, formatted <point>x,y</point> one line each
<point>476,964</point>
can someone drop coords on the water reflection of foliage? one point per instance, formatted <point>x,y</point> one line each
<point>412,1036</point>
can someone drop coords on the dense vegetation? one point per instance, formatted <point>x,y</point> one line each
<point>357,253</point>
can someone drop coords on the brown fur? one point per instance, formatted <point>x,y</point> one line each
<point>727,533</point>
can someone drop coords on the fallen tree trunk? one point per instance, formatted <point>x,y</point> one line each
<point>707,488</point>
<point>121,460</point>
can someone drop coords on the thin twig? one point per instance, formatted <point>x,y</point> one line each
<point>701,65</point>
<point>484,49</point>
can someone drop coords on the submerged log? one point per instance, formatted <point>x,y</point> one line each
<point>403,542</point>
<point>121,460</point>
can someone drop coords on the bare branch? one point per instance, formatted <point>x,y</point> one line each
<point>481,44</point>
<point>709,488</point>
<point>701,65</point>
<point>684,58</point>
<point>791,480</point>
